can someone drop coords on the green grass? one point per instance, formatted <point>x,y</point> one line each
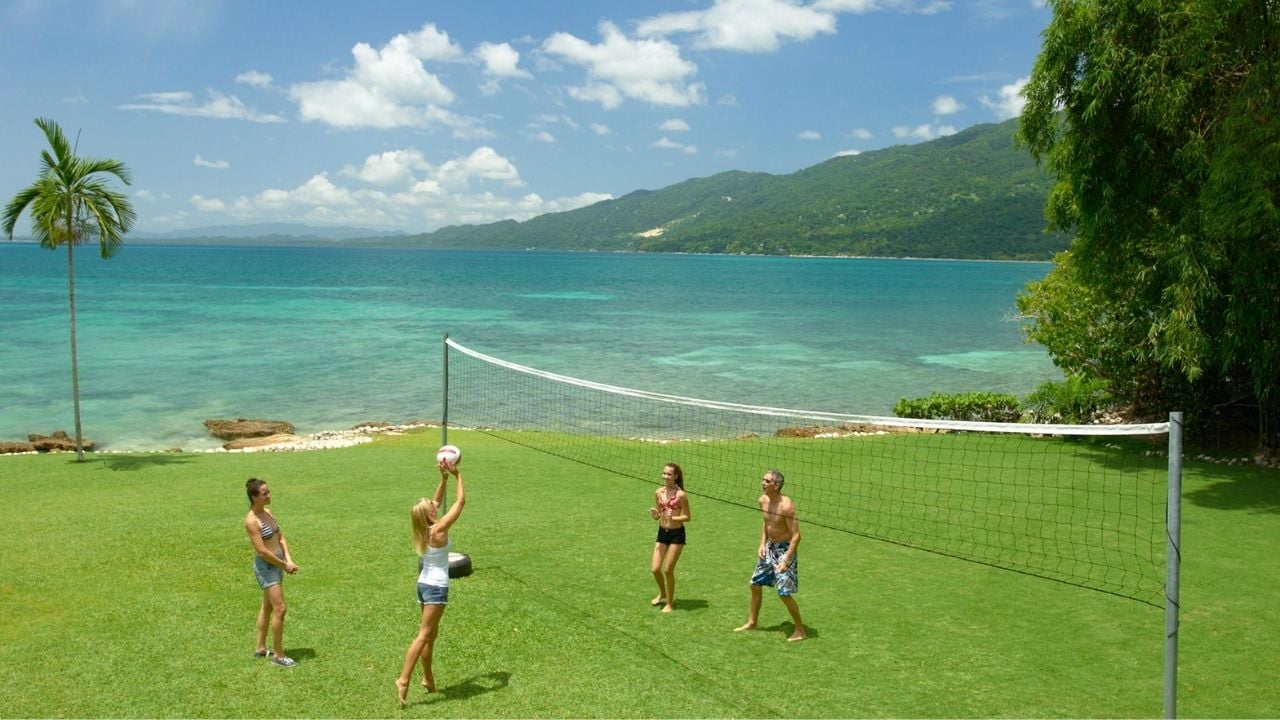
<point>125,591</point>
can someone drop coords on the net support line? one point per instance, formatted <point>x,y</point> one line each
<point>1014,428</point>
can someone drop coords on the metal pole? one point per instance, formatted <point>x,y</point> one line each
<point>1173,524</point>
<point>444,413</point>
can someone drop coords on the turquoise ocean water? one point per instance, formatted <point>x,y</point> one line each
<point>328,337</point>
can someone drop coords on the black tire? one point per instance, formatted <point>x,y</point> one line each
<point>459,565</point>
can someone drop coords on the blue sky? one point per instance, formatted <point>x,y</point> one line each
<point>414,115</point>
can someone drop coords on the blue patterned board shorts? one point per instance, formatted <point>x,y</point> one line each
<point>265,573</point>
<point>766,572</point>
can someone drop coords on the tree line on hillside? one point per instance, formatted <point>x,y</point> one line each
<point>972,195</point>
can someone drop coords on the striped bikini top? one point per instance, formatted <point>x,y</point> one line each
<point>268,530</point>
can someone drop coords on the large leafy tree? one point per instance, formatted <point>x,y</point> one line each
<point>71,203</point>
<point>1161,122</point>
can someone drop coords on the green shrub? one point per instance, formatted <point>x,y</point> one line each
<point>1074,401</point>
<point>980,406</point>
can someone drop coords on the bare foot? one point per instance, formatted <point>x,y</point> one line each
<point>657,601</point>
<point>748,626</point>
<point>402,691</point>
<point>669,607</point>
<point>429,684</point>
<point>796,636</point>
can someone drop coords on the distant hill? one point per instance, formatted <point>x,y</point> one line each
<point>261,231</point>
<point>969,195</point>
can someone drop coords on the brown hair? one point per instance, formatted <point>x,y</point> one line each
<point>679,474</point>
<point>252,487</point>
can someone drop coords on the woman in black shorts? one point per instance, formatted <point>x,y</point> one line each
<point>671,510</point>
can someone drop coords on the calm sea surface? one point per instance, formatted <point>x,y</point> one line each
<point>327,338</point>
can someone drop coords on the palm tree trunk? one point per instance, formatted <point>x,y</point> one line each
<point>75,369</point>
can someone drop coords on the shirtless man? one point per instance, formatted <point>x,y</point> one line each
<point>776,564</point>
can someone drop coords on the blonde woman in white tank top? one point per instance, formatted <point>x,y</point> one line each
<point>431,540</point>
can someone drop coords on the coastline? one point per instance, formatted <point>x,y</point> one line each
<point>322,440</point>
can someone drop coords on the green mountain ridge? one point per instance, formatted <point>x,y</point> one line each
<point>973,195</point>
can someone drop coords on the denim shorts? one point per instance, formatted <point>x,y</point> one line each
<point>267,574</point>
<point>433,594</point>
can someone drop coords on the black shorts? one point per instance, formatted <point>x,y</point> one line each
<point>674,536</point>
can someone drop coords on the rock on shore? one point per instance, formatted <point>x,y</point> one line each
<point>246,428</point>
<point>286,442</point>
<point>58,442</point>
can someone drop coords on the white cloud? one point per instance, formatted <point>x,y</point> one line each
<point>389,168</point>
<point>727,100</point>
<point>387,87</point>
<point>498,61</point>
<point>917,7</point>
<point>744,25</point>
<point>205,204</point>
<point>600,129</point>
<point>413,195</point>
<point>809,135</point>
<point>1010,102</point>
<point>665,143</point>
<point>674,125</point>
<point>648,70</point>
<point>169,98</point>
<point>145,195</point>
<point>946,105</point>
<point>847,153</point>
<point>542,136</point>
<point>573,202</point>
<point>484,163</point>
<point>923,132</point>
<point>254,79</point>
<point>218,106</point>
<point>215,164</point>
<point>861,133</point>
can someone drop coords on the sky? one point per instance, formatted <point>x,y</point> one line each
<point>412,115</point>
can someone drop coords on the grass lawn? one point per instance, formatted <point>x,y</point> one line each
<point>126,591</point>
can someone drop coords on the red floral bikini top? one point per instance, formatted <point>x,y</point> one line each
<point>671,503</point>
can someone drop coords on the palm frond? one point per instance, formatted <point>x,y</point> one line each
<point>57,139</point>
<point>17,205</point>
<point>71,202</point>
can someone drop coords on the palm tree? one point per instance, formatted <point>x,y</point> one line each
<point>71,204</point>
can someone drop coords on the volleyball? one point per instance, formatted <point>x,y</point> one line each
<point>449,454</point>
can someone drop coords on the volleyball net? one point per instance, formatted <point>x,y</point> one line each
<point>1079,504</point>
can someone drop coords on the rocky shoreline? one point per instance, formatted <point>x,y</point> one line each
<point>245,436</point>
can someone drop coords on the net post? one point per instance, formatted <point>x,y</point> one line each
<point>444,396</point>
<point>1173,529</point>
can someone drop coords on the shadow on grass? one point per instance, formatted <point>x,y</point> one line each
<point>786,628</point>
<point>1239,488</point>
<point>690,604</point>
<point>469,688</point>
<point>301,653</point>
<point>1243,487</point>
<point>142,462</point>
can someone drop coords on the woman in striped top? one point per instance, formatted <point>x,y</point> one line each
<point>270,562</point>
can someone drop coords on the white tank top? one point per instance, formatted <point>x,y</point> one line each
<point>435,566</point>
